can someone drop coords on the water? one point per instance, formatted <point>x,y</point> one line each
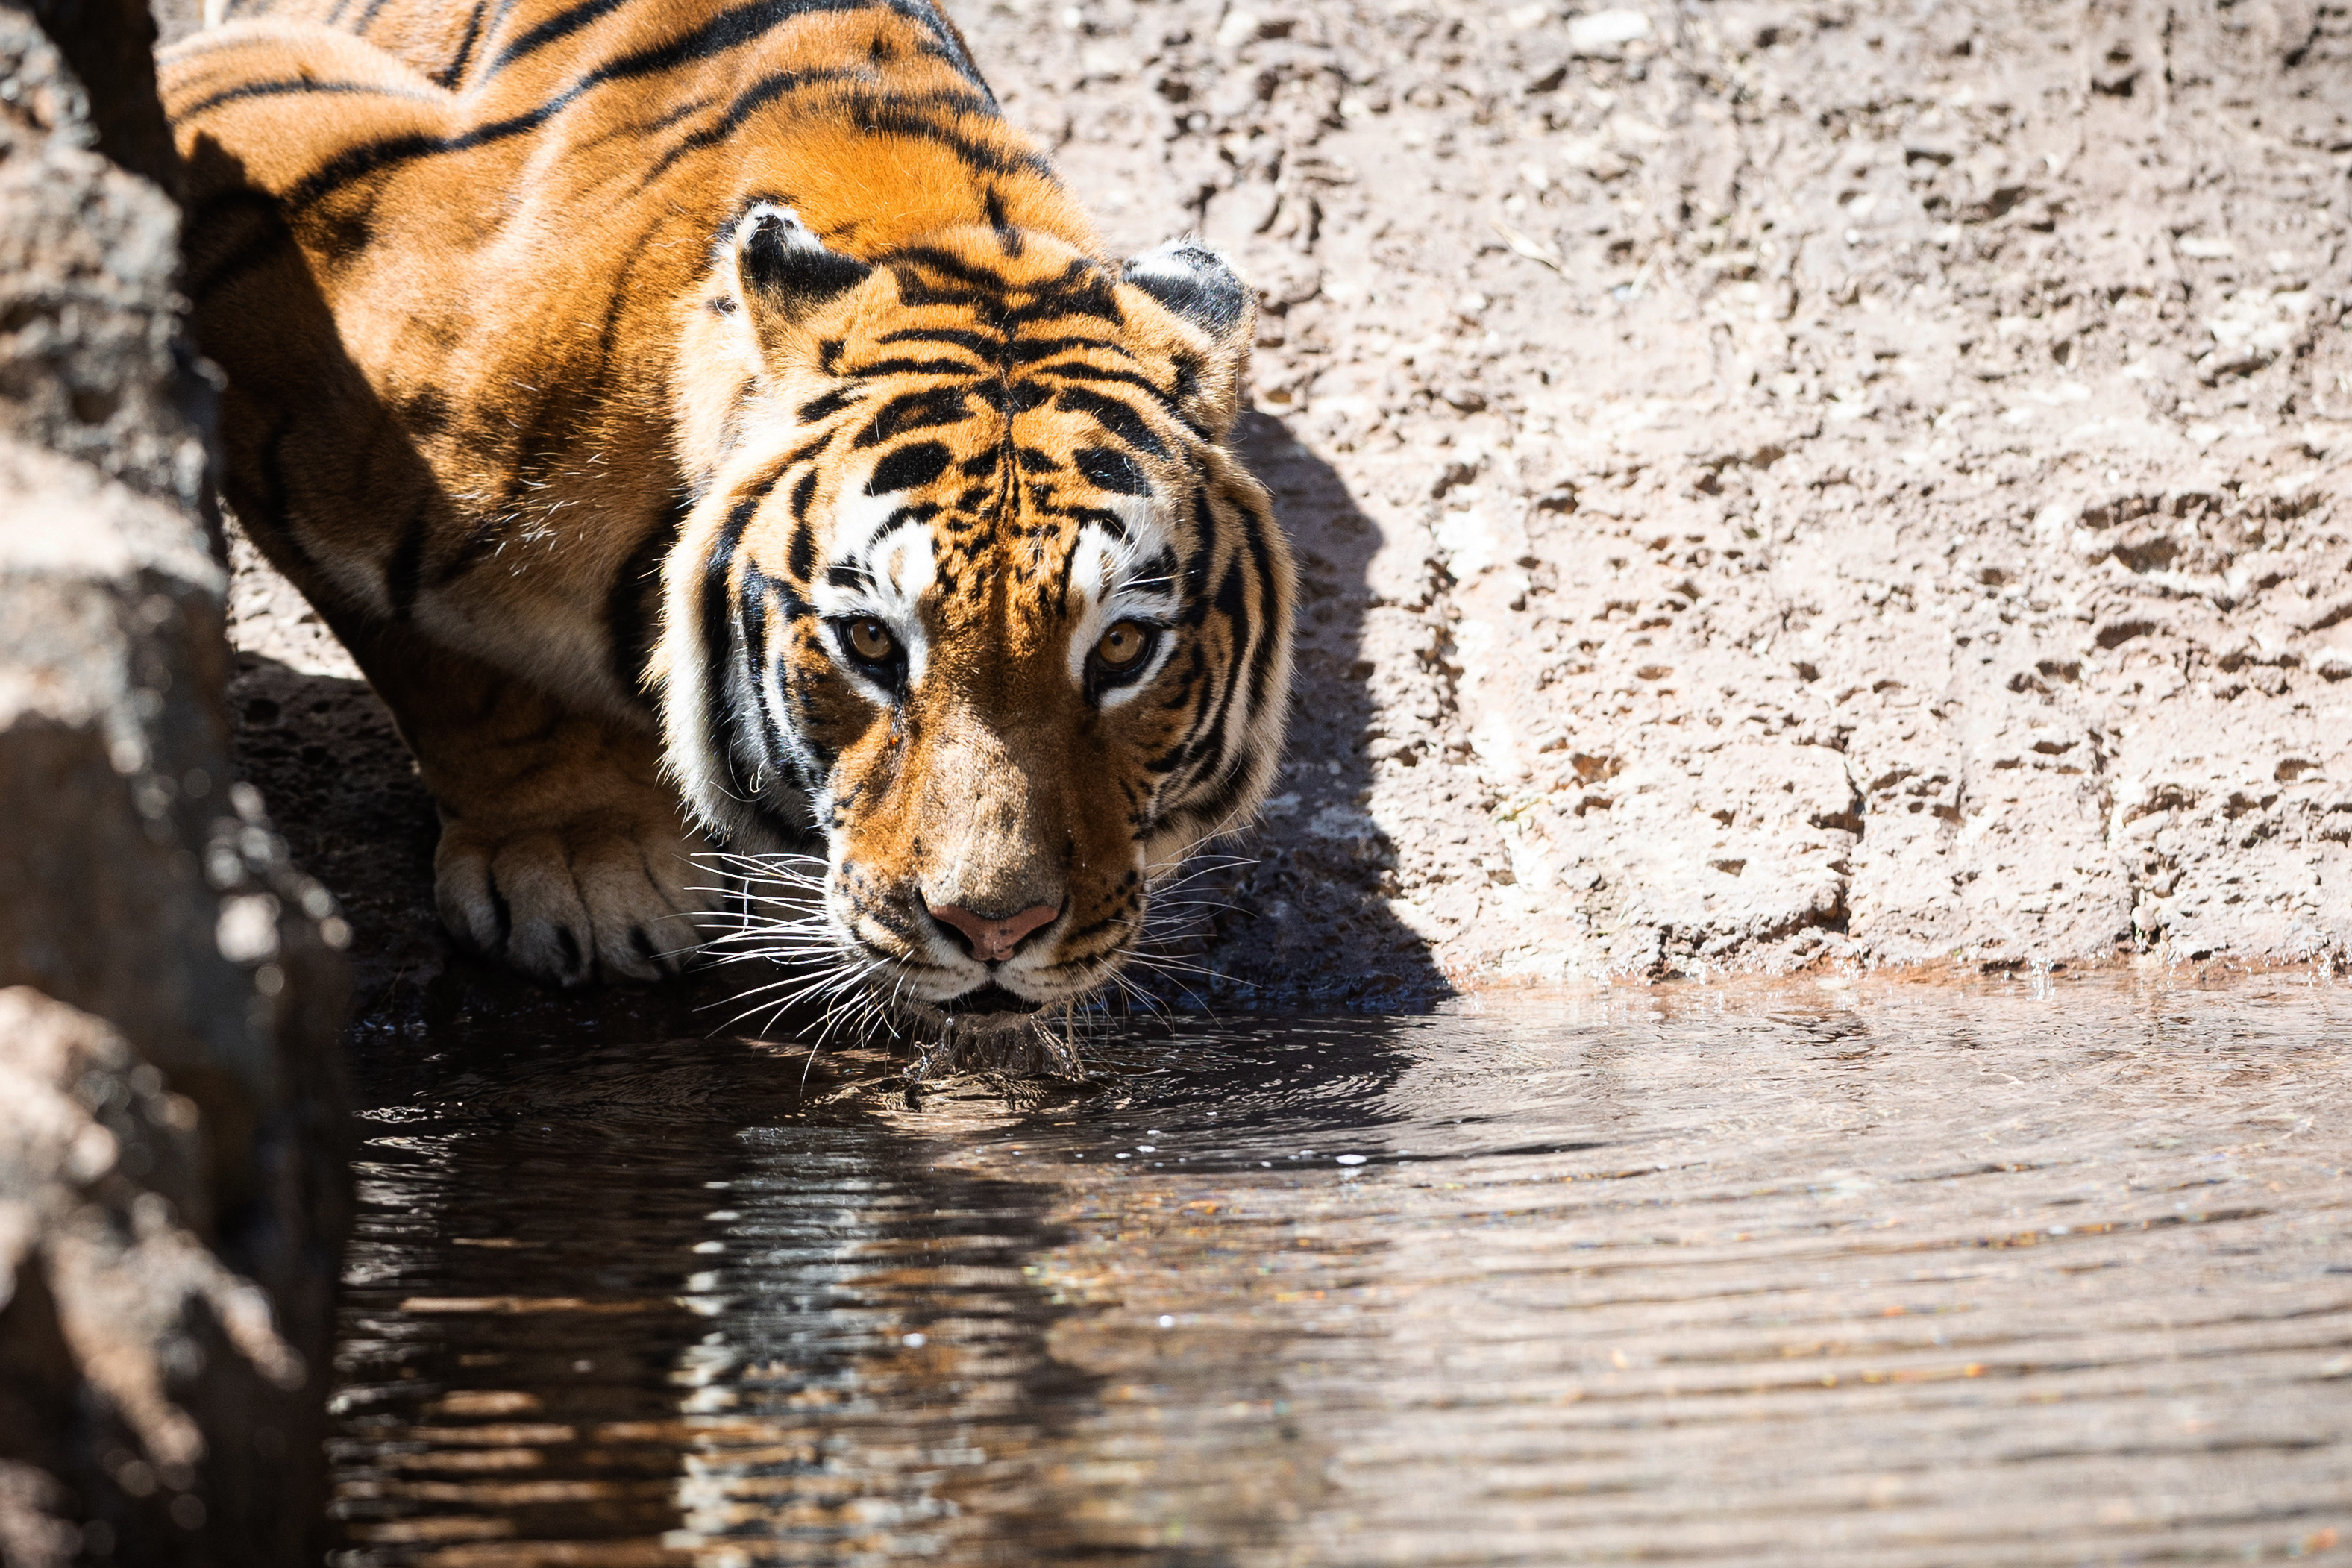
<point>2029,1273</point>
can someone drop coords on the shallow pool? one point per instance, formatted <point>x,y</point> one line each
<point>2053,1272</point>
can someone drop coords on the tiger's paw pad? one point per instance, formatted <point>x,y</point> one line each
<point>575,902</point>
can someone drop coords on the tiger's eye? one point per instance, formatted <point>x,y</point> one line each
<point>869,639</point>
<point>1122,645</point>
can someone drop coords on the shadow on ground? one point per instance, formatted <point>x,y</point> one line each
<point>1308,921</point>
<point>341,788</point>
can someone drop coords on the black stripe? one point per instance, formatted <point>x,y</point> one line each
<point>1160,571</point>
<point>730,29</point>
<point>1119,920</point>
<point>1110,522</point>
<point>1196,613</point>
<point>1012,398</point>
<point>1207,752</point>
<point>1254,531</point>
<point>562,25</point>
<point>1008,238</point>
<point>291,87</point>
<point>758,18</point>
<point>915,411</point>
<point>823,407</point>
<point>910,467</point>
<point>1196,569</point>
<point>1081,290</point>
<point>952,48</point>
<point>747,103</point>
<point>950,265</point>
<point>1079,370</point>
<point>498,19</point>
<point>405,571</point>
<point>801,454</point>
<point>619,302</point>
<point>1233,603</point>
<point>716,645</point>
<point>1222,797</point>
<point>1029,351</point>
<point>987,345</point>
<point>1062,590</point>
<point>1174,405</point>
<point>727,31</point>
<point>632,603</point>
<point>264,517</point>
<point>757,592</point>
<point>1187,694</point>
<point>799,558</point>
<point>766,91</point>
<point>916,367</point>
<point>366,19</point>
<point>637,131</point>
<point>894,116</point>
<point>1114,416</point>
<point>1113,471</point>
<point>454,72</point>
<point>373,157</point>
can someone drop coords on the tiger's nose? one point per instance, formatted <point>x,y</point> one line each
<point>992,937</point>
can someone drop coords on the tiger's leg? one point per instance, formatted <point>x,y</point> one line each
<point>563,850</point>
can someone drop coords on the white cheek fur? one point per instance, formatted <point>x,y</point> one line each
<point>894,567</point>
<point>1112,574</point>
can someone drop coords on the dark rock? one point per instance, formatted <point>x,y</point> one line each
<point>173,1186</point>
<point>111,46</point>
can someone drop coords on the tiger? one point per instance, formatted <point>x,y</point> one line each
<point>716,432</point>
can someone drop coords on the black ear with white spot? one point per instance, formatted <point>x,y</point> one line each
<point>1200,289</point>
<point>1198,285</point>
<point>784,271</point>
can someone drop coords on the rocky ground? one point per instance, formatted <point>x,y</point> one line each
<point>1777,483</point>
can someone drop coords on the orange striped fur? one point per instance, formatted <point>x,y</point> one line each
<point>712,423</point>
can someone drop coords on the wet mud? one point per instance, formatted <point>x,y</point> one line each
<point>2034,1271</point>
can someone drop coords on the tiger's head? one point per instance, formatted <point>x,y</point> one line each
<point>974,589</point>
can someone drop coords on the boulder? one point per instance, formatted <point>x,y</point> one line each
<point>173,1178</point>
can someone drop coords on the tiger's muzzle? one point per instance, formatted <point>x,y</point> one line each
<point>991,868</point>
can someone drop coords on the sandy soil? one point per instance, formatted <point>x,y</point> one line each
<point>1778,484</point>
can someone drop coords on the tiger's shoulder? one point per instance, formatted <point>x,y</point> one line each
<point>489,219</point>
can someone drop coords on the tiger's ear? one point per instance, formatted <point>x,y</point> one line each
<point>784,271</point>
<point>1201,288</point>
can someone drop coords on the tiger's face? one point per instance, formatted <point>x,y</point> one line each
<point>974,589</point>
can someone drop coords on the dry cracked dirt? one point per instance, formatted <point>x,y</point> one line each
<point>1776,484</point>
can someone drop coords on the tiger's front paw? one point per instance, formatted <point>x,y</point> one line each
<point>609,894</point>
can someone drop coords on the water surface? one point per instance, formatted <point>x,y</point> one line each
<point>2026,1273</point>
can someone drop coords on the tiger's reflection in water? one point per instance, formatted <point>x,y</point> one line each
<point>652,1305</point>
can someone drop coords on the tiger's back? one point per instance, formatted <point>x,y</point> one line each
<point>525,303</point>
<point>620,142</point>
